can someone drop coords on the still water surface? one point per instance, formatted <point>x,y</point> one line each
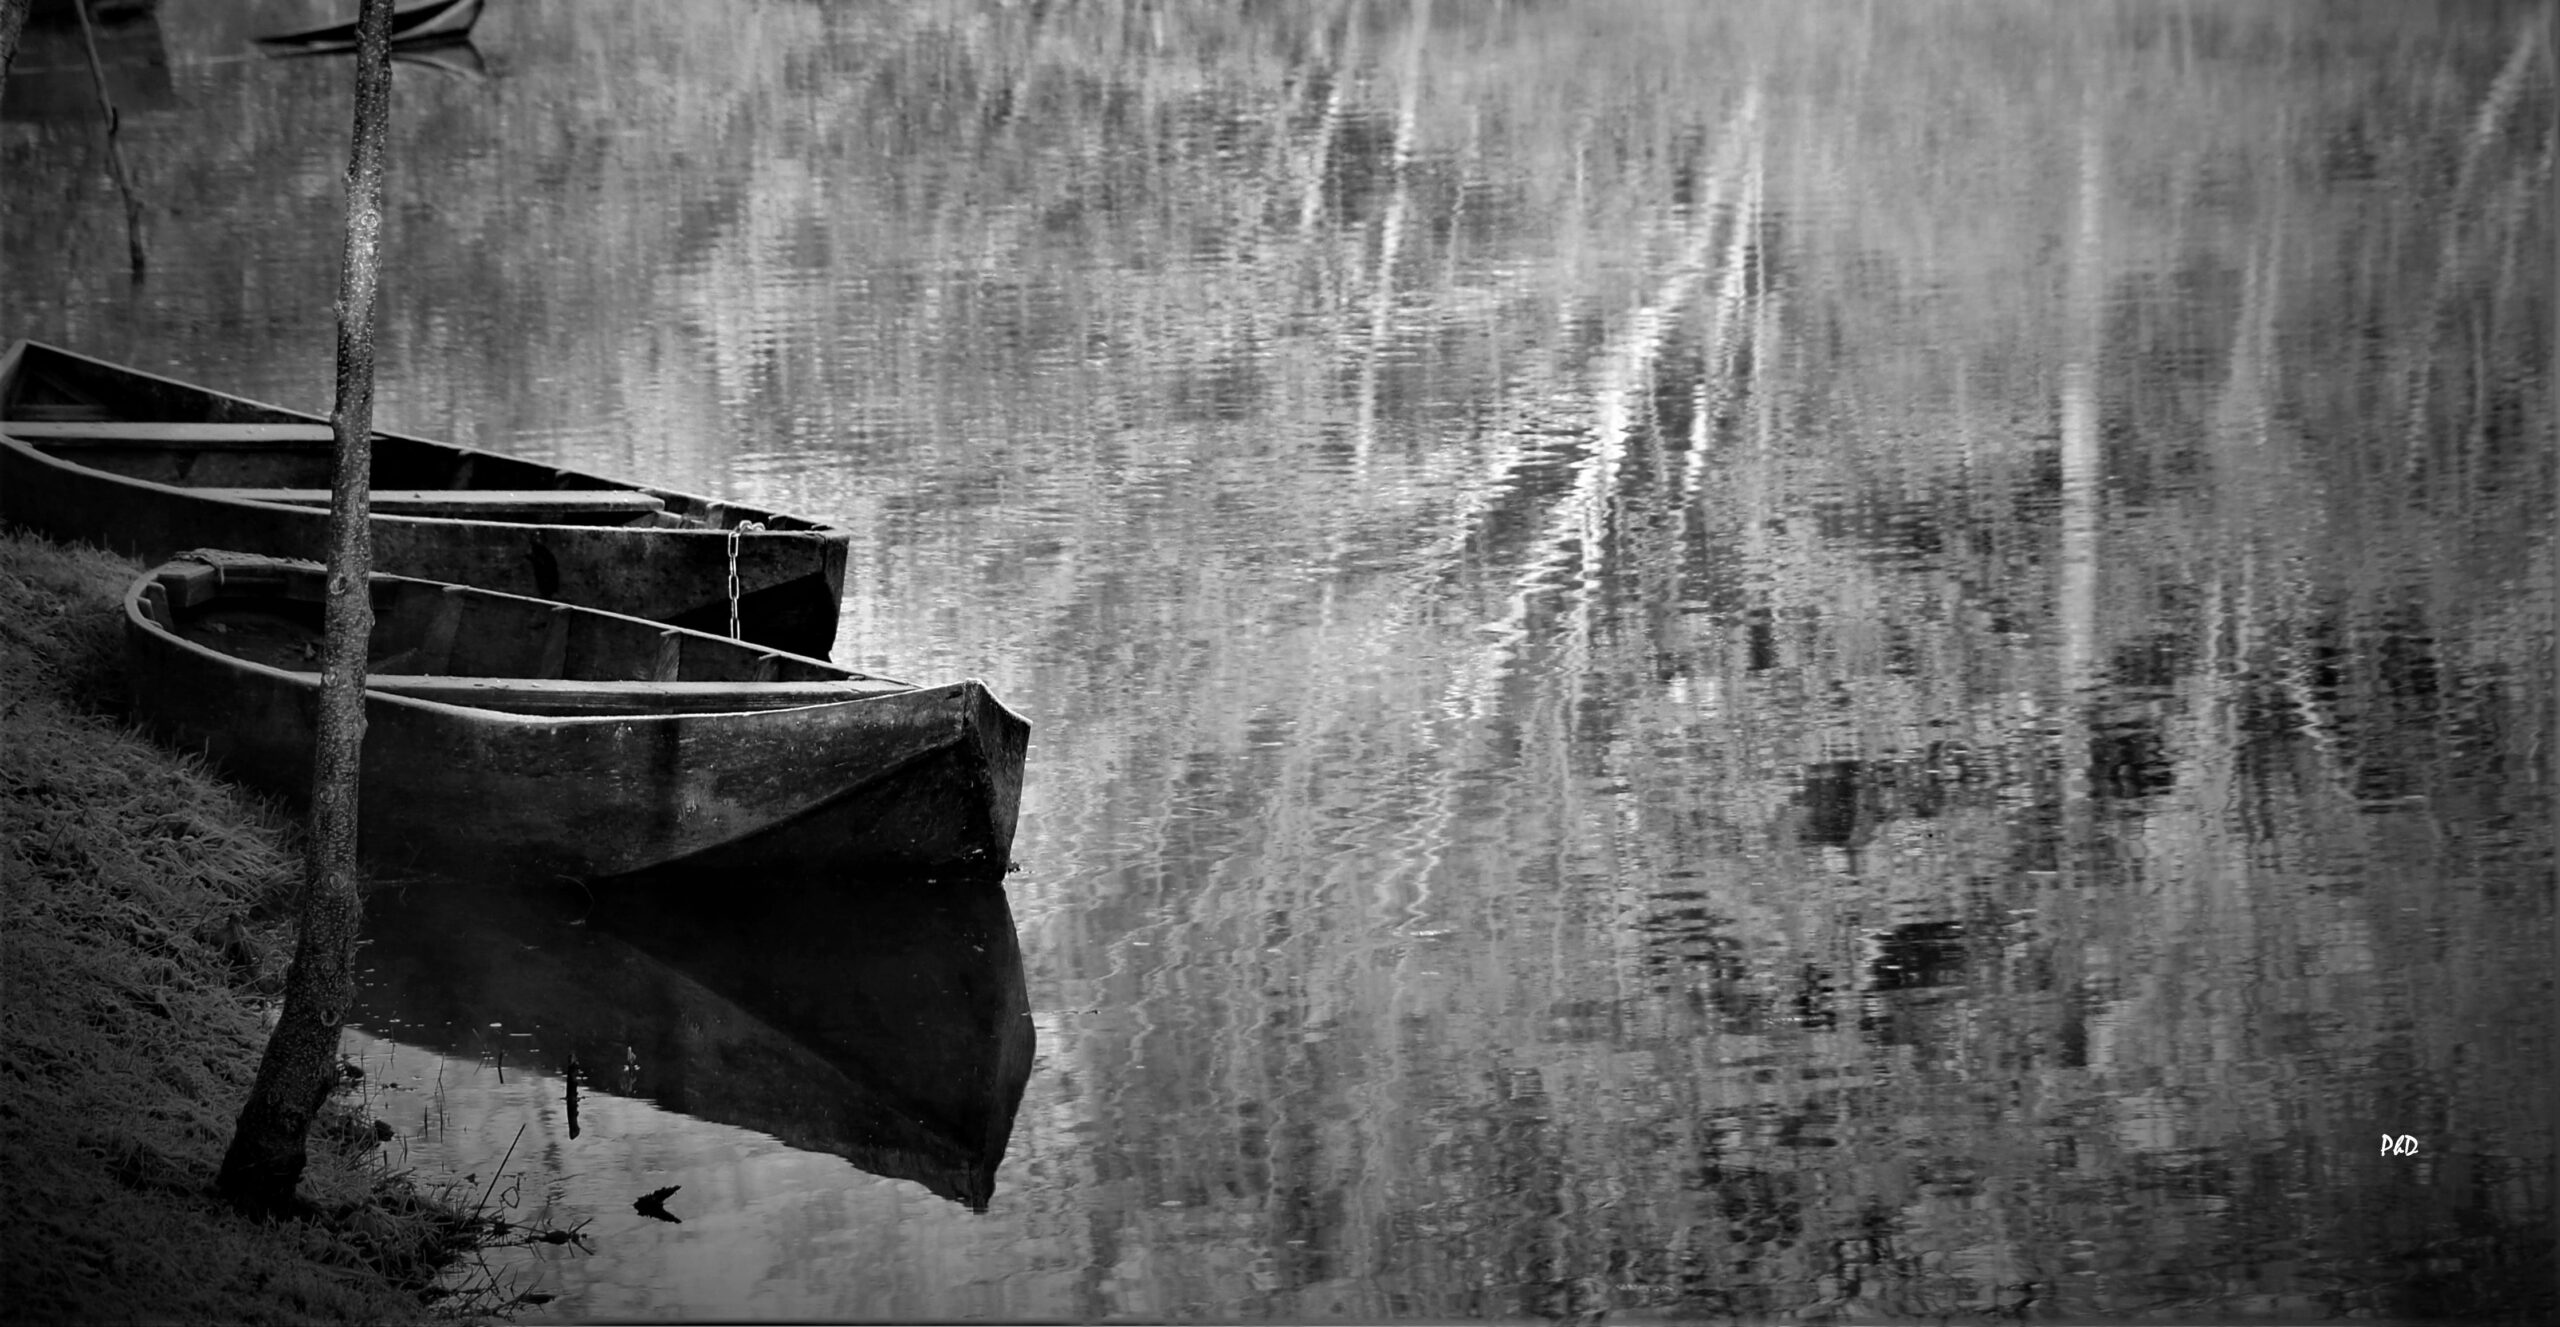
<point>1824,661</point>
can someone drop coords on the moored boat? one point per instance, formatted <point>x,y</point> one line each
<point>146,465</point>
<point>509,736</point>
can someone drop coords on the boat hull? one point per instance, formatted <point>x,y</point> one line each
<point>791,579</point>
<point>920,778</point>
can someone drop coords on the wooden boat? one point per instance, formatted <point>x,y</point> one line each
<point>97,452</point>
<point>426,20</point>
<point>872,1017</point>
<point>507,736</point>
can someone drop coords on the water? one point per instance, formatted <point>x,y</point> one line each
<point>1684,661</point>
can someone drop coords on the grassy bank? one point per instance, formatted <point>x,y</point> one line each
<point>142,930</point>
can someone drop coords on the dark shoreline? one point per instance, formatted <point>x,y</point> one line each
<point>144,927</point>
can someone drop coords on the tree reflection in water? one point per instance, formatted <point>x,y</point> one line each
<point>1796,660</point>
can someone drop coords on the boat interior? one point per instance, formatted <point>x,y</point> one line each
<point>451,643</point>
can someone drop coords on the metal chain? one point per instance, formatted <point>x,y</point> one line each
<point>734,532</point>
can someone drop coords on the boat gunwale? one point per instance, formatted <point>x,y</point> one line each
<point>135,614</point>
<point>22,446</point>
<point>14,366</point>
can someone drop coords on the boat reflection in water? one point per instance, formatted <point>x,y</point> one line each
<point>454,55</point>
<point>880,1019</point>
<point>51,79</point>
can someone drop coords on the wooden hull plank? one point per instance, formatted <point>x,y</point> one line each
<point>166,432</point>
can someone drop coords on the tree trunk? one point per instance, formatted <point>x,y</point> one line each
<point>266,1156</point>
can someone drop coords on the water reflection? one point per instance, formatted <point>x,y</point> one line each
<point>429,34</point>
<point>50,77</point>
<point>1805,660</point>
<point>457,56</point>
<point>881,1020</point>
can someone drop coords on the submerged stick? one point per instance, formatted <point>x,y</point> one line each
<point>115,154</point>
<point>492,1185</point>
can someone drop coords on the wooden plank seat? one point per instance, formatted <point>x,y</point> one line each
<point>504,504</point>
<point>573,697</point>
<point>128,432</point>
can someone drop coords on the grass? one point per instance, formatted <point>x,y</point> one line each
<point>143,932</point>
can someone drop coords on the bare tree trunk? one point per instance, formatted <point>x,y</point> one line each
<point>267,1154</point>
